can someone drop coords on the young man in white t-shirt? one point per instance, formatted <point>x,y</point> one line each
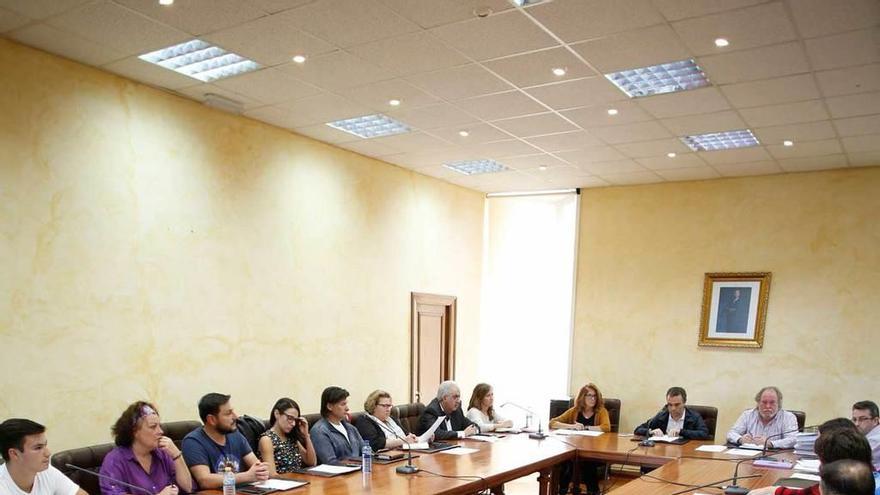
<point>27,470</point>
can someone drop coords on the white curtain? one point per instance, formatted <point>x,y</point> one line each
<point>528,296</point>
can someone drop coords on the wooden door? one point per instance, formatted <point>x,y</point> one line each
<point>433,344</point>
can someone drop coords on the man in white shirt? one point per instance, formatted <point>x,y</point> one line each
<point>27,470</point>
<point>767,423</point>
<point>867,419</point>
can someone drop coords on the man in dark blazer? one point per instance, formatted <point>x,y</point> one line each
<point>675,419</point>
<point>447,403</point>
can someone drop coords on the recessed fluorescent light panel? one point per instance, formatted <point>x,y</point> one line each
<point>658,79</point>
<point>370,126</point>
<point>727,140</point>
<point>523,3</point>
<point>200,60</point>
<point>476,167</point>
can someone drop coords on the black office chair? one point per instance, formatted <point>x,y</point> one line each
<point>709,415</point>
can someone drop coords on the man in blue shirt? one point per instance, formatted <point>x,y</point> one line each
<point>210,449</point>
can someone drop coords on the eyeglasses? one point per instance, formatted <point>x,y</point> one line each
<point>862,419</point>
<point>387,406</point>
<point>290,417</point>
<point>592,396</point>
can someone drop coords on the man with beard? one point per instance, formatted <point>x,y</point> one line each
<point>211,449</point>
<point>766,423</point>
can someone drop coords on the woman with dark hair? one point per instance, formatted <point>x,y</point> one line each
<point>144,457</point>
<point>286,446</point>
<point>481,409</point>
<point>588,413</point>
<point>335,439</point>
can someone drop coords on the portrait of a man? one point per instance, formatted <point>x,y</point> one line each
<point>733,309</point>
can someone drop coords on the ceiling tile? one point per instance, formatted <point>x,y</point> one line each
<point>786,113</point>
<point>274,6</point>
<point>612,167</point>
<point>871,159</point>
<point>576,20</point>
<point>591,155</point>
<point>532,69</point>
<point>198,92</point>
<point>40,9</point>
<point>682,160</point>
<point>641,48</point>
<point>433,13</point>
<point>412,141</point>
<point>844,50</point>
<point>692,173</point>
<point>273,115</point>
<point>197,17</point>
<point>324,132</point>
<point>861,144</point>
<point>113,25</point>
<point>347,23</point>
<point>695,101</point>
<point>501,105</point>
<point>269,40</point>
<point>809,163</point>
<point>269,86</point>
<point>534,125</point>
<point>820,17</point>
<point>477,133</point>
<point>501,149</point>
<point>628,133</point>
<point>438,171</point>
<point>631,179</point>
<point>565,141</point>
<point>854,105</point>
<point>369,147</point>
<point>812,131</point>
<point>405,54</point>
<point>591,181</point>
<point>771,91</point>
<point>10,20</point>
<point>498,35</point>
<point>659,147</point>
<point>528,162</point>
<point>138,70</point>
<point>680,9</point>
<point>742,155</point>
<point>461,82</point>
<point>858,126</point>
<point>745,169</point>
<point>581,92</point>
<point>435,116</point>
<point>322,108</point>
<point>761,63</point>
<point>50,39</point>
<point>850,80</point>
<point>805,148</point>
<point>419,159</point>
<point>701,124</point>
<point>377,95</point>
<point>751,27</point>
<point>335,71</point>
<point>628,112</point>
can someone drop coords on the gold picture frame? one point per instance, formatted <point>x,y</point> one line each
<point>734,309</point>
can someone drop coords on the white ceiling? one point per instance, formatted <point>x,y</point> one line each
<point>804,70</point>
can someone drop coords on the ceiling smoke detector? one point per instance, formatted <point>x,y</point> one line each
<point>484,11</point>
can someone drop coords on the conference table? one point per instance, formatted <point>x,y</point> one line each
<point>516,455</point>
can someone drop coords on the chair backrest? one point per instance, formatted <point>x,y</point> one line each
<point>559,406</point>
<point>801,418</point>
<point>312,418</point>
<point>710,417</point>
<point>408,415</point>
<point>176,430</point>
<point>252,428</point>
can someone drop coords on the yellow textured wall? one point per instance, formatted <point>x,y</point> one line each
<point>643,254</point>
<point>155,248</point>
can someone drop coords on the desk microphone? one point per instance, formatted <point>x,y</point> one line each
<point>538,435</point>
<point>768,461</point>
<point>409,468</point>
<point>733,488</point>
<point>647,442</point>
<point>114,480</point>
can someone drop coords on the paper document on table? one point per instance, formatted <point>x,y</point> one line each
<point>711,448</point>
<point>415,446</point>
<point>752,446</point>
<point>665,439</point>
<point>332,469</point>
<point>459,451</point>
<point>424,437</point>
<point>280,485</point>
<point>507,430</point>
<point>483,438</point>
<point>583,433</point>
<point>743,452</point>
<point>805,476</point>
<point>808,465</point>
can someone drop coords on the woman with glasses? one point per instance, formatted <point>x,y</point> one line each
<point>286,446</point>
<point>588,413</point>
<point>377,426</point>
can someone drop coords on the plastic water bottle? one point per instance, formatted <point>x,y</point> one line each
<point>366,459</point>
<point>228,481</point>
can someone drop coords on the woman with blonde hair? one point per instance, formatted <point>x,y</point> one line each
<point>378,427</point>
<point>481,409</point>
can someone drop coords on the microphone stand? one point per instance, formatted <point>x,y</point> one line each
<point>539,435</point>
<point>114,480</point>
<point>408,468</point>
<point>734,489</point>
<point>765,460</point>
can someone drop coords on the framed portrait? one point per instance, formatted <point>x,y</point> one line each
<point>734,309</point>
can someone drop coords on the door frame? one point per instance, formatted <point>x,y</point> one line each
<point>449,319</point>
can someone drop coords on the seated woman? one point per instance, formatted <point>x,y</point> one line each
<point>377,427</point>
<point>286,445</point>
<point>143,457</point>
<point>481,409</point>
<point>335,439</point>
<point>588,413</point>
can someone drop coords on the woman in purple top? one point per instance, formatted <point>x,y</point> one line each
<point>144,457</point>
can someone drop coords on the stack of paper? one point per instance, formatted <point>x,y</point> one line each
<point>807,465</point>
<point>805,443</point>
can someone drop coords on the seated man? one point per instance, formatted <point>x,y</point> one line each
<point>867,418</point>
<point>210,449</point>
<point>27,470</point>
<point>447,403</point>
<point>767,423</point>
<point>847,477</point>
<point>675,419</point>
